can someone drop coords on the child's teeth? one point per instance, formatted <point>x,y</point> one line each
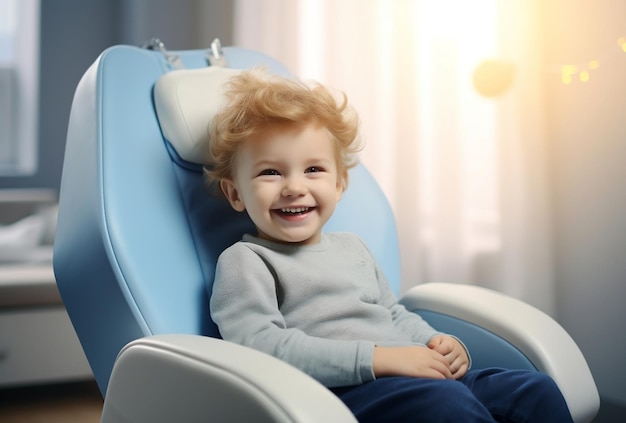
<point>295,210</point>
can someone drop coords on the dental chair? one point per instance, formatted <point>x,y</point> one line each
<point>139,233</point>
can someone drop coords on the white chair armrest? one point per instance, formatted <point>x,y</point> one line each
<point>167,378</point>
<point>546,344</point>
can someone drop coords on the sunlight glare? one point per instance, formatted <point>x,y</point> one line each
<point>311,16</point>
<point>458,128</point>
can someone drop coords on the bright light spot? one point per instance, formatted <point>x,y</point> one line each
<point>567,71</point>
<point>594,64</point>
<point>584,76</point>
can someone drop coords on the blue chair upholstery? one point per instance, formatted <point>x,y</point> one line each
<point>138,232</point>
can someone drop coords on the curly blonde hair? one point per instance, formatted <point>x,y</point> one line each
<point>257,101</point>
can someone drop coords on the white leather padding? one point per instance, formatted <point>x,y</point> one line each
<point>186,101</point>
<point>538,336</point>
<point>190,378</point>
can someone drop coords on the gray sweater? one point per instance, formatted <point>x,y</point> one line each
<point>320,308</point>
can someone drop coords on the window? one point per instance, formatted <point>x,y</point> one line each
<point>19,86</point>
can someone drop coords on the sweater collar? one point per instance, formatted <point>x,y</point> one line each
<point>286,247</point>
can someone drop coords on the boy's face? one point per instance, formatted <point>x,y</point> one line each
<point>287,181</point>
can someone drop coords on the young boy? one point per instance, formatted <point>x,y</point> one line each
<point>281,151</point>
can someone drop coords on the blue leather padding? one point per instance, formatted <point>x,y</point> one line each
<point>214,226</point>
<point>85,277</point>
<point>486,348</point>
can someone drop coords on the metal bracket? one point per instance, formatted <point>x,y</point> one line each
<point>216,54</point>
<point>173,60</point>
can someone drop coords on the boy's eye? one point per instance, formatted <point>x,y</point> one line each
<point>314,169</point>
<point>269,172</point>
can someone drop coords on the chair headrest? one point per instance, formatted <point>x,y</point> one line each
<point>186,101</point>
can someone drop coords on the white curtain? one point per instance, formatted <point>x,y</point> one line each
<point>465,172</point>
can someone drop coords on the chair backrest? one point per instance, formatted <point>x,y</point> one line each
<point>138,233</point>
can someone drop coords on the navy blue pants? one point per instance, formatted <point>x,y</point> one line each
<point>487,395</point>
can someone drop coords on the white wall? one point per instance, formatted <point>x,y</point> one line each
<point>587,129</point>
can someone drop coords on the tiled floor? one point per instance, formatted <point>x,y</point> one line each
<point>65,403</point>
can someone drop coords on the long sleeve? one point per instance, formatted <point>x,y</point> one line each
<point>244,305</point>
<point>321,308</point>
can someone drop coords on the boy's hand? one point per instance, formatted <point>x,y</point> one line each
<point>454,353</point>
<point>410,361</point>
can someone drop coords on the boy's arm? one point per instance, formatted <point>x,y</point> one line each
<point>244,306</point>
<point>420,331</point>
<point>447,348</point>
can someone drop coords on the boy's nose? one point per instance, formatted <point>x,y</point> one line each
<point>294,187</point>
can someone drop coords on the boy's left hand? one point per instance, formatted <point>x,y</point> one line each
<point>453,351</point>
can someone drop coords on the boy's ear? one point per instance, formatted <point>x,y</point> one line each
<point>342,184</point>
<point>231,193</point>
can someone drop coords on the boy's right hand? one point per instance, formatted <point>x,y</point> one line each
<point>411,361</point>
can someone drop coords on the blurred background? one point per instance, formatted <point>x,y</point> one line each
<point>496,128</point>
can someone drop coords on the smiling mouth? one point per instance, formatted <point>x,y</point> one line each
<point>294,211</point>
